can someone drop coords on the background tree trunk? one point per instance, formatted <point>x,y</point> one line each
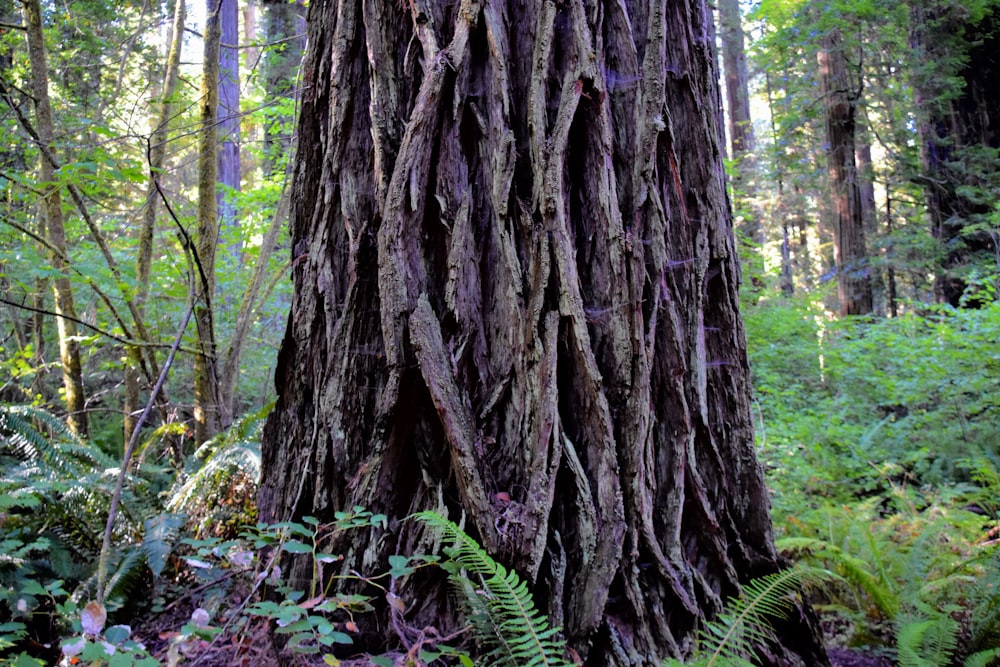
<point>206,385</point>
<point>854,288</point>
<point>69,346</point>
<point>959,103</point>
<point>516,304</point>
<point>228,151</point>
<point>741,140</point>
<point>284,29</point>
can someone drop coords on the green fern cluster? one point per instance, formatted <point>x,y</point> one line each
<point>516,634</point>
<point>55,490</point>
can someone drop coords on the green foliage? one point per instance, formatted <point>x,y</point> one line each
<point>729,640</point>
<point>216,490</point>
<point>98,645</point>
<point>516,634</point>
<point>880,439</point>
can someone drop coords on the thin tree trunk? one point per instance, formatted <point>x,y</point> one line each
<point>69,347</point>
<point>787,278</point>
<point>853,282</point>
<point>206,385</point>
<point>228,121</point>
<point>890,268</point>
<point>741,136</point>
<point>516,304</point>
<point>869,208</point>
<point>144,256</point>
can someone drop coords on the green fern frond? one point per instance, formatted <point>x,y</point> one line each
<point>160,534</point>
<point>927,642</point>
<point>127,576</point>
<point>518,634</point>
<point>730,638</point>
<point>986,658</point>
<point>855,570</point>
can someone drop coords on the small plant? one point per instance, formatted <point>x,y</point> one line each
<point>98,645</point>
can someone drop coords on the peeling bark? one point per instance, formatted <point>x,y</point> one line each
<point>515,303</point>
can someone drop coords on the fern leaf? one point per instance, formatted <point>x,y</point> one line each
<point>520,634</point>
<point>854,569</point>
<point>160,534</point>
<point>926,642</point>
<point>985,658</point>
<point>729,638</point>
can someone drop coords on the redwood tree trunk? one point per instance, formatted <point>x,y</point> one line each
<point>515,303</point>
<point>854,287</point>
<point>958,61</point>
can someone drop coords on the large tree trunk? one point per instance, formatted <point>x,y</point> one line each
<point>854,288</point>
<point>69,346</point>
<point>959,105</point>
<point>515,303</point>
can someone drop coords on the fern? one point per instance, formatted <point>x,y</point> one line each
<point>502,609</point>
<point>217,462</point>
<point>729,639</point>
<point>927,642</point>
<point>985,658</point>
<point>855,570</point>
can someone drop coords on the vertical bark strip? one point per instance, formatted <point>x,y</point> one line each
<point>515,303</point>
<point>853,281</point>
<point>69,346</point>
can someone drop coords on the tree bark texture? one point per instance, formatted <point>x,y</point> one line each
<point>516,304</point>
<point>960,117</point>
<point>854,289</point>
<point>69,346</point>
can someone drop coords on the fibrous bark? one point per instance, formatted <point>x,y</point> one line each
<point>515,303</point>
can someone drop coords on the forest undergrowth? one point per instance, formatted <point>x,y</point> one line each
<point>880,439</point>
